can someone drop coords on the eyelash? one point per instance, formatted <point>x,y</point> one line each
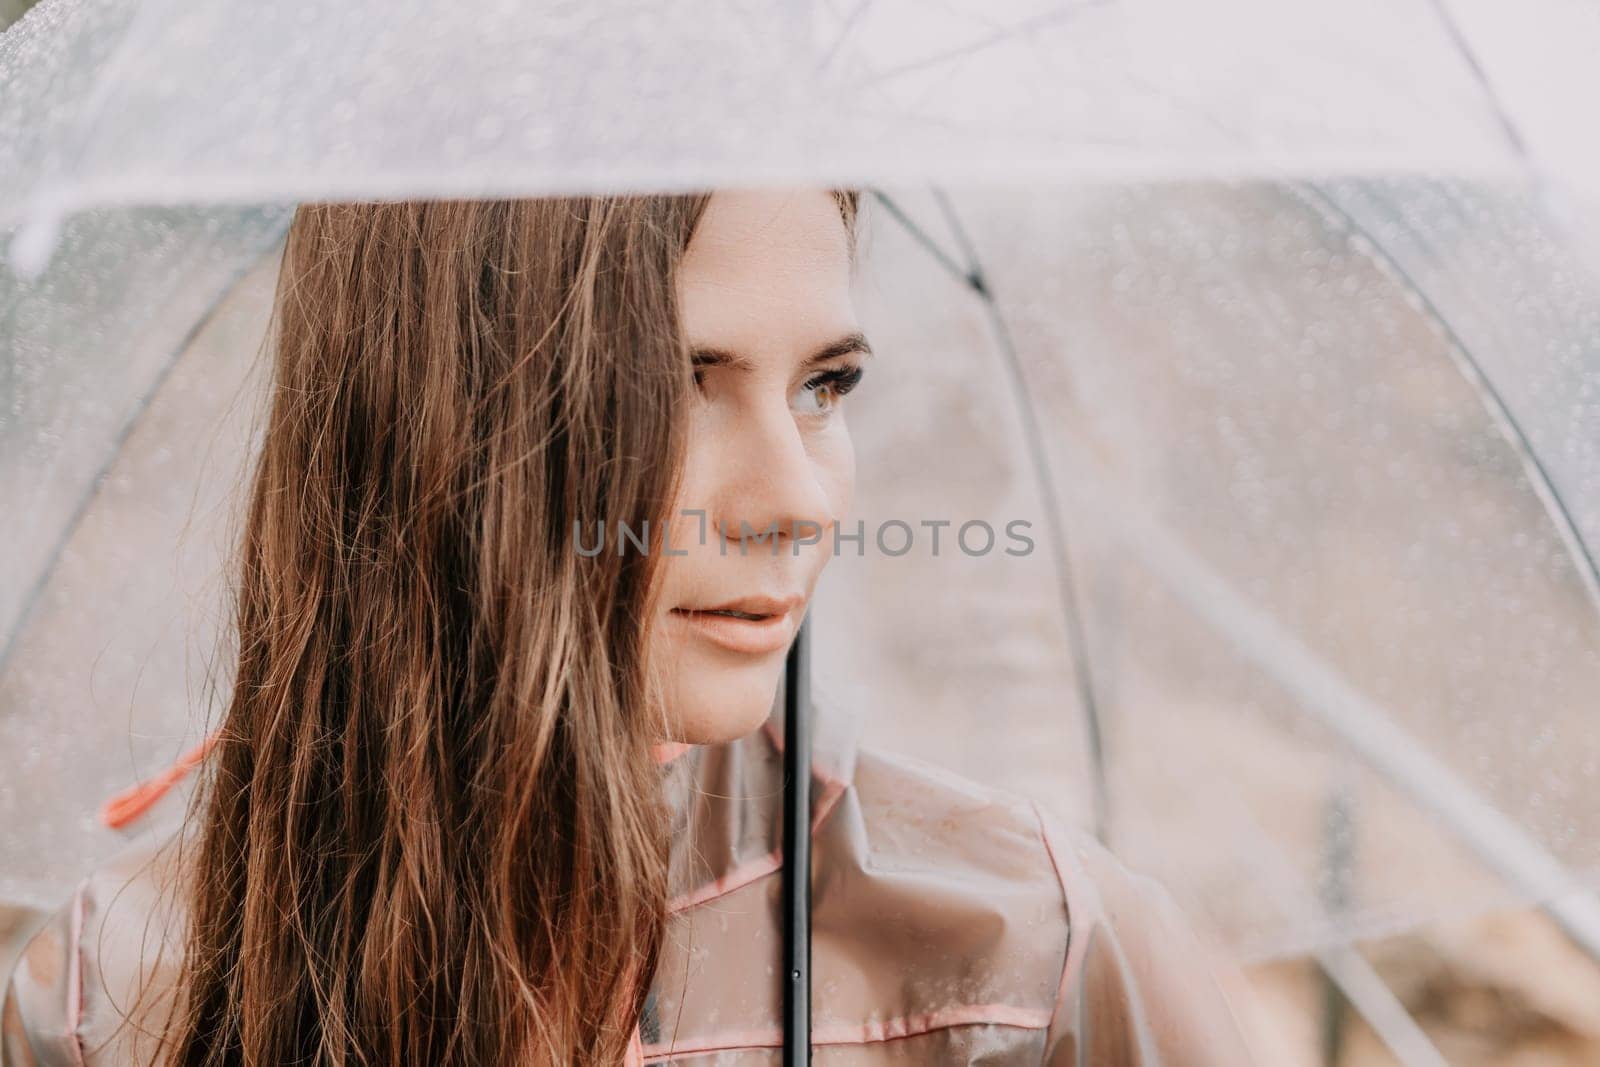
<point>841,379</point>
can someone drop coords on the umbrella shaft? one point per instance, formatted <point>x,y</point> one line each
<point>797,852</point>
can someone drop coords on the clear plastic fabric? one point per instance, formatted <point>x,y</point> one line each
<point>1287,352</point>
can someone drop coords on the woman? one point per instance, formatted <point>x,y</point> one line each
<point>497,786</point>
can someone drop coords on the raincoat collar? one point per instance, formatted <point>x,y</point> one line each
<point>726,804</point>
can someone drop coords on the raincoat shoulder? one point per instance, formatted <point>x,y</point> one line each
<point>95,976</point>
<point>1138,988</point>
<point>1098,959</point>
<point>951,923</point>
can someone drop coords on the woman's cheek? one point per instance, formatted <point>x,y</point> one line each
<point>842,472</point>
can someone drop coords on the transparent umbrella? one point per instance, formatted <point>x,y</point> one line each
<point>1275,328</point>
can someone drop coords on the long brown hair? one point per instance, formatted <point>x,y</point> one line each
<point>430,828</point>
<point>431,832</point>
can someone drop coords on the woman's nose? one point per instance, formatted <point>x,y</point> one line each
<point>774,492</point>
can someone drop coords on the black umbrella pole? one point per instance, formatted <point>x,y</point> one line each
<point>797,851</point>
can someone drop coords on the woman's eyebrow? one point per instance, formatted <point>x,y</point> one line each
<point>855,343</point>
<point>852,344</point>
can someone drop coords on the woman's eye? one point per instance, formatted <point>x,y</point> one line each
<point>822,393</point>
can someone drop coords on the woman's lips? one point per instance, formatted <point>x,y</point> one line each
<point>750,627</point>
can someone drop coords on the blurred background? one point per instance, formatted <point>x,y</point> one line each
<point>1331,633</point>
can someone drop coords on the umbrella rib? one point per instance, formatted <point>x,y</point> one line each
<point>1363,725</point>
<point>921,236</point>
<point>1508,127</point>
<point>1473,372</point>
<point>849,24</point>
<point>1357,979</point>
<point>1039,461</point>
<point>1043,20</point>
<point>959,232</point>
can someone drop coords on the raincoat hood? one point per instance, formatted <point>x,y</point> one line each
<point>951,924</point>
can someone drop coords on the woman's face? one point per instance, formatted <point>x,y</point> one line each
<point>764,293</point>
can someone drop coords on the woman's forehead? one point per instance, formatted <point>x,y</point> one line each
<point>764,265</point>
<point>772,232</point>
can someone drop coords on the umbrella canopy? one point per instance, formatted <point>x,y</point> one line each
<point>1292,387</point>
<point>1332,578</point>
<point>111,102</point>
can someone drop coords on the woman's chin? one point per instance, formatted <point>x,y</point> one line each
<point>725,707</point>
